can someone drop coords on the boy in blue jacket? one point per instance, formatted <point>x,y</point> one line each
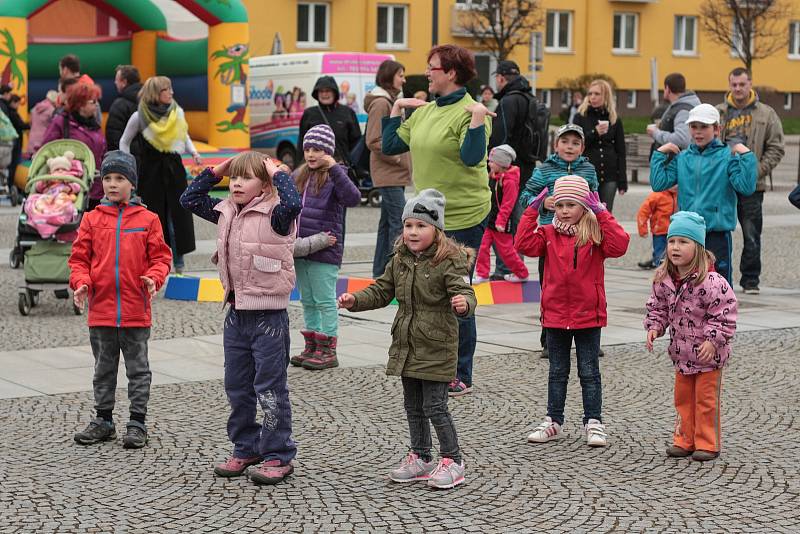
<point>708,176</point>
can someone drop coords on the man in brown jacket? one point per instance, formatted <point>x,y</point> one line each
<point>756,125</point>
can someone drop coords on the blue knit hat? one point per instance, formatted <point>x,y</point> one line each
<point>122,163</point>
<point>321,137</point>
<point>688,224</point>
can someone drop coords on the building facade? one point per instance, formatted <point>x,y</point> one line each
<point>617,38</point>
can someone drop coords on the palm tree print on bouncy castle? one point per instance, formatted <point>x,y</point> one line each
<point>12,73</point>
<point>231,72</point>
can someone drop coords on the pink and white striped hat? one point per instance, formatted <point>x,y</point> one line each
<point>571,187</point>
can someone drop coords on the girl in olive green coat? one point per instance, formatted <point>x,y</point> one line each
<point>428,275</point>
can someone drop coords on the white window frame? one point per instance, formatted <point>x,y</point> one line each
<point>623,35</point>
<point>794,39</point>
<point>631,99</point>
<point>555,47</point>
<point>546,97</point>
<point>311,21</point>
<point>390,13</point>
<point>680,21</point>
<point>734,33</point>
<point>787,101</point>
<point>468,4</point>
<point>566,99</point>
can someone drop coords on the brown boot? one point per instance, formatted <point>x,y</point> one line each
<point>325,355</point>
<point>308,351</point>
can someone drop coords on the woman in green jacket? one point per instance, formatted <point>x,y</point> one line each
<point>428,277</point>
<point>447,139</point>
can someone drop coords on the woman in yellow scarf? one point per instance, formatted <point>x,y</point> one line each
<point>157,134</point>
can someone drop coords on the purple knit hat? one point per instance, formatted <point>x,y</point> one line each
<point>321,137</point>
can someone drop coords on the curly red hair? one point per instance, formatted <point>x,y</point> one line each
<point>78,94</point>
<point>458,59</point>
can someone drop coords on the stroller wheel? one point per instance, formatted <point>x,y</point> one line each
<point>33,296</point>
<point>24,304</point>
<point>76,310</point>
<point>374,198</point>
<point>14,258</point>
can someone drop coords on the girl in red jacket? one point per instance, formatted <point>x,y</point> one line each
<point>573,306</point>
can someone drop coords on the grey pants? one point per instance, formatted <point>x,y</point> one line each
<point>425,403</point>
<point>107,342</point>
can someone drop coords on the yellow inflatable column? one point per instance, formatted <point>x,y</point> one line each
<point>228,53</point>
<point>143,52</point>
<point>14,69</point>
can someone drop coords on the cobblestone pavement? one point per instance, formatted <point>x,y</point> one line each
<point>350,427</point>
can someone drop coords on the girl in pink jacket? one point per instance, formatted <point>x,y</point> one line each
<point>699,308</point>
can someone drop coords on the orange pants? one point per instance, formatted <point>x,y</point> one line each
<point>697,400</point>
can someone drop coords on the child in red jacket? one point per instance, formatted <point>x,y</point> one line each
<point>582,236</point>
<point>118,263</point>
<point>504,183</point>
<point>656,209</point>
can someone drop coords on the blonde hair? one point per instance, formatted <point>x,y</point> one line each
<point>699,264</point>
<point>445,247</point>
<point>152,88</point>
<point>305,175</point>
<point>588,230</point>
<point>608,100</point>
<point>249,162</point>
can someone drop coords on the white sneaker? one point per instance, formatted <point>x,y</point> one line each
<point>547,431</point>
<point>596,434</point>
<point>479,280</point>
<point>511,277</point>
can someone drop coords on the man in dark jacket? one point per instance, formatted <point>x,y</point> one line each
<point>128,85</point>
<point>341,119</point>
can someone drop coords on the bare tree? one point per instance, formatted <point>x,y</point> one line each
<point>752,29</point>
<point>499,26</point>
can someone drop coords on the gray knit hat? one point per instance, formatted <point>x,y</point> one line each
<point>122,163</point>
<point>322,137</point>
<point>503,155</point>
<point>428,206</point>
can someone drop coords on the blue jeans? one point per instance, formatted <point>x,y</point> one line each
<point>659,247</point>
<point>751,219</point>
<point>587,347</point>
<point>256,344</point>
<point>720,243</point>
<point>467,331</point>
<point>317,284</point>
<point>393,200</point>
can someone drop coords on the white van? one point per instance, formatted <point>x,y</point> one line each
<point>280,89</point>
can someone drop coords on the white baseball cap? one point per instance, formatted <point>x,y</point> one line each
<point>704,113</point>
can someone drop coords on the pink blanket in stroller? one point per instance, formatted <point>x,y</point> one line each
<point>52,206</point>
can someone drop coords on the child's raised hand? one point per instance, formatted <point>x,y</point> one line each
<point>549,204</point>
<point>271,167</point>
<point>79,296</point>
<point>706,352</point>
<point>536,203</point>
<point>149,285</point>
<point>346,301</point>
<point>652,335</point>
<point>593,201</point>
<point>327,161</point>
<point>223,168</point>
<point>669,147</point>
<point>739,148</point>
<point>459,304</point>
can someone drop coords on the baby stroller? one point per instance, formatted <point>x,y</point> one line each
<point>45,259</point>
<point>8,135</point>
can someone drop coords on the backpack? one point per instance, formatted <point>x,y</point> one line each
<point>533,141</point>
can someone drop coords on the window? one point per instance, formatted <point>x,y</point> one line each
<point>566,99</point>
<point>625,27</point>
<point>468,4</point>
<point>737,41</point>
<point>392,26</point>
<point>546,97</point>
<point>559,31</point>
<point>630,103</point>
<point>787,101</point>
<point>794,40</point>
<point>312,24</point>
<point>684,41</point>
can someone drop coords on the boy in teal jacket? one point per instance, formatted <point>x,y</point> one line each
<point>708,176</point>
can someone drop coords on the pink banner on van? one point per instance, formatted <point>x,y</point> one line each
<point>352,63</point>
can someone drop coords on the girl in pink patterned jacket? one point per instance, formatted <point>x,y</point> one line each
<point>699,308</point>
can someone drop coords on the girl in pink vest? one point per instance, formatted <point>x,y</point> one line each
<point>255,241</point>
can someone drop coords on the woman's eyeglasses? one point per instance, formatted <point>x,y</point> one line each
<point>431,69</point>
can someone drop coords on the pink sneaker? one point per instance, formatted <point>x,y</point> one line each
<point>270,472</point>
<point>234,466</point>
<point>457,388</point>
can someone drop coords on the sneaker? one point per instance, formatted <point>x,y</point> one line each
<point>513,278</point>
<point>647,265</point>
<point>751,290</point>
<point>457,388</point>
<point>596,434</point>
<point>547,431</point>
<point>234,467</point>
<point>97,431</point>
<point>270,472</point>
<point>479,280</point>
<point>135,435</point>
<point>447,474</point>
<point>411,469</point>
<point>704,456</point>
<point>673,451</point>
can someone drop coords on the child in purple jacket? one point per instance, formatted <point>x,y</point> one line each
<point>699,308</point>
<point>326,190</point>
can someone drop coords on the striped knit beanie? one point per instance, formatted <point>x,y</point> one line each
<point>320,137</point>
<point>571,187</point>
